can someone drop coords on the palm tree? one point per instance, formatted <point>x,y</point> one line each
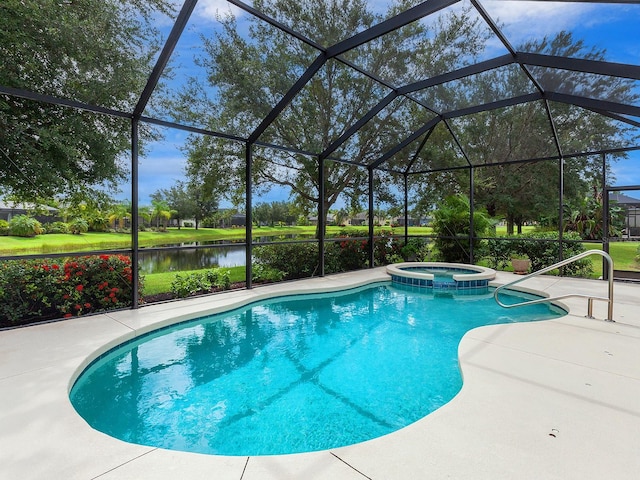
<point>119,213</point>
<point>160,210</point>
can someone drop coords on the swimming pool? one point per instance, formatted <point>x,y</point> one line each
<point>293,374</point>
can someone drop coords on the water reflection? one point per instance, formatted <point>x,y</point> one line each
<point>178,259</point>
<point>221,254</point>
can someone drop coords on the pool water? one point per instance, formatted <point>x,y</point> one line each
<point>293,374</point>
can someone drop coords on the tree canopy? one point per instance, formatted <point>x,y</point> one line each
<point>99,52</point>
<point>251,76</point>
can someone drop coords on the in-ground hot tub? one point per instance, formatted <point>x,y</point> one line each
<point>441,275</point>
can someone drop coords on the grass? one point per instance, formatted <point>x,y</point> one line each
<point>623,254</point>
<point>59,242</point>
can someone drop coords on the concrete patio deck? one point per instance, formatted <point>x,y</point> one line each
<point>558,399</point>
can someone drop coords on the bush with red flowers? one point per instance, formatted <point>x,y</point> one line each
<point>34,290</point>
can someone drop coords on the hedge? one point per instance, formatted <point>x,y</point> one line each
<point>543,249</point>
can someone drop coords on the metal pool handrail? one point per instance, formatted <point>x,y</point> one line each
<point>591,298</point>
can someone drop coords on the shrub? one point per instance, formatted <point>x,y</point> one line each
<point>345,255</point>
<point>78,226</point>
<point>290,261</point>
<point>296,260</point>
<point>542,250</point>
<point>416,249</point>
<point>499,253</point>
<point>4,227</point>
<point>24,226</point>
<point>97,222</point>
<point>57,227</point>
<point>385,247</point>
<point>28,290</point>
<point>200,282</point>
<point>32,290</point>
<point>219,278</point>
<point>263,273</point>
<point>545,253</point>
<point>185,285</point>
<point>451,225</point>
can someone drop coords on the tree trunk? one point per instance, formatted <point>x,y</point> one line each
<point>509,224</point>
<point>327,206</point>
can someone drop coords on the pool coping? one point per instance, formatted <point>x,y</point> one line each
<point>551,399</point>
<point>481,273</point>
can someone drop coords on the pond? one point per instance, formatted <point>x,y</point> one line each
<point>181,257</point>
<point>177,259</point>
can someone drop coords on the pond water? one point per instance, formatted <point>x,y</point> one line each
<point>221,254</point>
<point>158,261</point>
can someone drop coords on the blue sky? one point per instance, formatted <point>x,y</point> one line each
<point>612,26</point>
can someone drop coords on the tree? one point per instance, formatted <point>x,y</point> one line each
<point>95,51</point>
<point>205,204</point>
<point>120,212</point>
<point>261,213</point>
<point>527,191</point>
<point>179,200</point>
<point>334,99</point>
<point>161,211</point>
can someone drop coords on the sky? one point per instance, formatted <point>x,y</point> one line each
<point>612,26</point>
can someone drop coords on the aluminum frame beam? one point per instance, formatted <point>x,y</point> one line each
<point>592,103</point>
<point>387,26</point>
<point>172,40</point>
<point>62,102</point>
<point>408,16</point>
<point>407,141</point>
<point>507,102</point>
<point>596,67</point>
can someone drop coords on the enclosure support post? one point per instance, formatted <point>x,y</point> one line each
<point>321,215</point>
<point>248,216</point>
<point>560,207</point>
<point>135,284</point>
<point>406,209</point>
<point>605,217</point>
<point>371,259</point>
<point>471,211</point>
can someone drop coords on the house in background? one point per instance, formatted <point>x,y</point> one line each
<point>631,207</point>
<point>10,210</point>
<point>313,219</point>
<point>411,221</point>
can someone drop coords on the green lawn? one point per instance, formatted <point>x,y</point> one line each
<point>61,243</point>
<point>622,253</point>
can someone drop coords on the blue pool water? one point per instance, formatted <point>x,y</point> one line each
<point>294,374</point>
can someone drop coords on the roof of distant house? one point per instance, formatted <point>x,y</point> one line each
<point>621,198</point>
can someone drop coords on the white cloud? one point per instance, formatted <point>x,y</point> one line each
<point>627,171</point>
<point>213,9</point>
<point>518,17</point>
